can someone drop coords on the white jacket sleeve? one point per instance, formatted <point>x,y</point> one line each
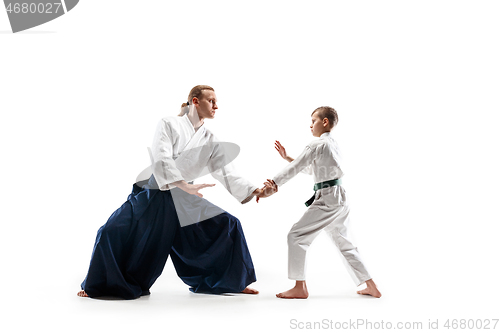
<point>308,170</point>
<point>226,174</point>
<point>164,168</point>
<point>303,161</point>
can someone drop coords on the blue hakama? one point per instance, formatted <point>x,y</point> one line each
<point>132,248</point>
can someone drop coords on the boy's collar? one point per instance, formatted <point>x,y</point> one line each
<point>325,134</point>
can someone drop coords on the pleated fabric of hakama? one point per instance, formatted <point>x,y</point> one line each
<point>131,249</point>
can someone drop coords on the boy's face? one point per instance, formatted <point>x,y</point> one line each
<point>318,125</point>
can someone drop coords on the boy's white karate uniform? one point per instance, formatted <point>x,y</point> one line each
<point>329,211</point>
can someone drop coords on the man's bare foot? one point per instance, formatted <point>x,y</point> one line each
<point>82,293</point>
<point>250,291</point>
<point>370,290</point>
<point>299,291</point>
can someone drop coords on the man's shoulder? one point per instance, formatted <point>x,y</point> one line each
<point>170,119</point>
<point>171,123</point>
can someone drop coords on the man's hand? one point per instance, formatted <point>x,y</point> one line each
<point>281,150</point>
<point>191,188</point>
<point>269,189</point>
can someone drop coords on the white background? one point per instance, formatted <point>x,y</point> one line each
<point>416,86</point>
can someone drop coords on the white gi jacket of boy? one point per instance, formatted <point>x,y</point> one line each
<point>329,211</point>
<point>321,158</point>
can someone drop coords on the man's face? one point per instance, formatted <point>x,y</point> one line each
<point>207,104</point>
<point>317,127</point>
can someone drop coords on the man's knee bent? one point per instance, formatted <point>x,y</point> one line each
<point>230,219</point>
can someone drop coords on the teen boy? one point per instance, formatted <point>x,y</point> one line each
<point>327,210</point>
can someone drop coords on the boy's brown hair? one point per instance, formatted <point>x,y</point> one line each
<point>328,113</point>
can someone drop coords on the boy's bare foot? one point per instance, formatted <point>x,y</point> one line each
<point>82,293</point>
<point>299,291</point>
<point>250,291</point>
<point>370,290</point>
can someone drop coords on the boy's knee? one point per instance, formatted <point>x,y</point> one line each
<point>293,238</point>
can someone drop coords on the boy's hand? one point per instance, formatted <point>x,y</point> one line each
<point>281,150</point>
<point>269,189</point>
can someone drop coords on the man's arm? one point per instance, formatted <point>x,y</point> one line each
<point>226,174</point>
<point>257,193</point>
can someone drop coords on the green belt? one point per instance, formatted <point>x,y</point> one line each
<point>319,186</point>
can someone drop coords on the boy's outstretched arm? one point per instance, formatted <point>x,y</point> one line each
<point>301,163</point>
<point>281,150</point>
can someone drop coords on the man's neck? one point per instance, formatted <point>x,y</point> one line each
<point>195,120</point>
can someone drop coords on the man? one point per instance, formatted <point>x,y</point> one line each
<point>210,255</point>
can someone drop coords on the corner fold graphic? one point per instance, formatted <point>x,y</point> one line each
<point>70,4</point>
<point>24,14</point>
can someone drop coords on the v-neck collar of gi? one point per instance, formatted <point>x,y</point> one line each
<point>188,121</point>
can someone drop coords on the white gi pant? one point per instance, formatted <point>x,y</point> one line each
<point>329,211</point>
